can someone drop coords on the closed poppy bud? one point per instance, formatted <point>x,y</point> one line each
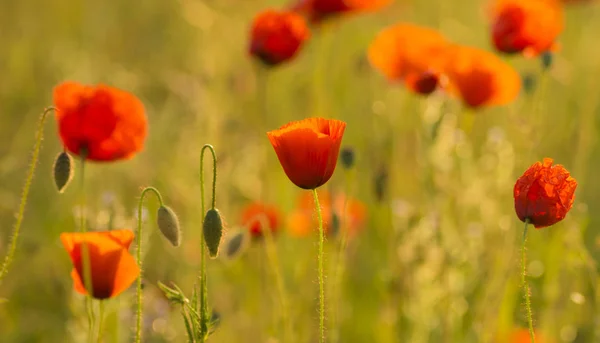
<point>213,231</point>
<point>347,157</point>
<point>236,243</point>
<point>277,37</point>
<point>308,150</point>
<point>169,225</point>
<point>544,194</point>
<point>62,171</point>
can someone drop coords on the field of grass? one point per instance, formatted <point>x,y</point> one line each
<point>437,257</point>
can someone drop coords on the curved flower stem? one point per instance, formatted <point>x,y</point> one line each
<point>101,321</point>
<point>320,267</point>
<point>39,136</point>
<point>138,323</point>
<point>204,317</point>
<point>525,285</point>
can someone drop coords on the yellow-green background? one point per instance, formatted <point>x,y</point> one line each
<point>438,258</point>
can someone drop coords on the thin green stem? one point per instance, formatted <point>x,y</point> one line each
<point>320,267</point>
<point>39,136</point>
<point>85,253</point>
<point>273,257</point>
<point>101,321</point>
<point>138,323</point>
<point>204,318</point>
<point>524,283</point>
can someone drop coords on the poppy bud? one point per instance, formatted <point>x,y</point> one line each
<point>213,231</point>
<point>63,171</point>
<point>347,157</point>
<point>236,244</point>
<point>547,59</point>
<point>169,225</point>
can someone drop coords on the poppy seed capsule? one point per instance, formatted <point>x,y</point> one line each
<point>62,171</point>
<point>213,231</point>
<point>169,225</point>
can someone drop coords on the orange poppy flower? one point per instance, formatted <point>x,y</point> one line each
<point>308,150</point>
<point>409,53</point>
<point>337,210</point>
<point>479,77</point>
<point>277,36</point>
<point>530,26</point>
<point>113,269</point>
<point>251,218</point>
<point>102,122</point>
<point>544,194</point>
<point>522,336</point>
<point>319,10</point>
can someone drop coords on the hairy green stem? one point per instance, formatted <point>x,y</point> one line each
<point>39,136</point>
<point>320,269</point>
<point>101,321</point>
<point>204,318</point>
<point>138,323</point>
<point>525,285</point>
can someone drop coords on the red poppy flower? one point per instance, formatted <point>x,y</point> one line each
<point>277,36</point>
<point>410,53</point>
<point>105,123</point>
<point>308,150</point>
<point>544,194</point>
<point>479,77</point>
<point>113,269</point>
<point>522,336</point>
<point>251,218</point>
<point>337,210</point>
<point>318,10</point>
<point>526,26</point>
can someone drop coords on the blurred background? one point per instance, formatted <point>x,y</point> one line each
<point>435,258</point>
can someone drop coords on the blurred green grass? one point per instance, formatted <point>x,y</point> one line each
<point>446,271</point>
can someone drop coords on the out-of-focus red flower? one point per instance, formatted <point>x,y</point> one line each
<point>522,336</point>
<point>544,194</point>
<point>113,269</point>
<point>338,210</point>
<point>277,36</point>
<point>319,10</point>
<point>411,54</point>
<point>255,213</point>
<point>102,122</point>
<point>308,150</point>
<point>479,77</point>
<point>530,26</point>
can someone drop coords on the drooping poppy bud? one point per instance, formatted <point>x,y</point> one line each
<point>63,171</point>
<point>213,231</point>
<point>347,157</point>
<point>169,225</point>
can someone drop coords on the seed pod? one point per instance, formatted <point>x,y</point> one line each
<point>213,231</point>
<point>62,171</point>
<point>169,225</point>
